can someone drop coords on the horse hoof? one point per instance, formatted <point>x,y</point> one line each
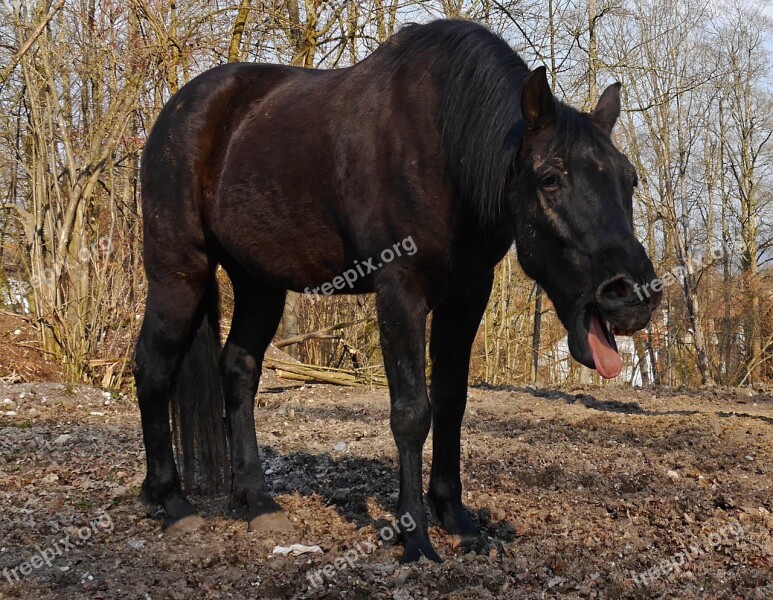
<point>275,521</point>
<point>414,553</point>
<point>455,520</point>
<point>464,540</point>
<point>464,531</point>
<point>185,525</point>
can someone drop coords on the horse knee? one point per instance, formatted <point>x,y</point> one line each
<point>410,421</point>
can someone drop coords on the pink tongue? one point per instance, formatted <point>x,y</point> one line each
<point>607,360</point>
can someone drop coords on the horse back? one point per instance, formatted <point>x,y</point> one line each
<point>337,165</point>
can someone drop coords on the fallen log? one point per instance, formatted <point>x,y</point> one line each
<point>321,334</point>
<point>310,373</point>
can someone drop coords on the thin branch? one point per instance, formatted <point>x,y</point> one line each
<point>6,73</point>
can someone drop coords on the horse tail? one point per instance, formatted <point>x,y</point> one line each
<point>198,406</point>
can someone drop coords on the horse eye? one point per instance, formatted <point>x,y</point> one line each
<point>549,183</point>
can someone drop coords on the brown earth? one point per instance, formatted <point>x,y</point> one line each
<point>21,359</point>
<point>579,492</point>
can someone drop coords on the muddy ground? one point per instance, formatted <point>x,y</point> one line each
<point>581,493</point>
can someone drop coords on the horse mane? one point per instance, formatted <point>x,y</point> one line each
<point>480,104</point>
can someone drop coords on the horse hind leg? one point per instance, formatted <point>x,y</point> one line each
<point>257,312</point>
<point>171,315</point>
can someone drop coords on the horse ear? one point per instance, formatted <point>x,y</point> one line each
<point>608,108</point>
<point>537,104</point>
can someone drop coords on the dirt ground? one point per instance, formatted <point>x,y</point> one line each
<point>581,493</point>
<point>21,359</point>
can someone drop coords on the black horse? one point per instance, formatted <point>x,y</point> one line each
<point>295,179</point>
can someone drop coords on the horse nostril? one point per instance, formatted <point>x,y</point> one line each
<point>615,291</point>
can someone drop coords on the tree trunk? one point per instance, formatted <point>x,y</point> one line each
<point>234,48</point>
<point>536,333</point>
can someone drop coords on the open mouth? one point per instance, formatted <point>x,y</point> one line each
<point>594,319</point>
<point>601,342</point>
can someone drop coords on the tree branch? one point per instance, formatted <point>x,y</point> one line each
<point>30,40</point>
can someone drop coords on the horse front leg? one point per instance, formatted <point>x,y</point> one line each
<point>402,314</point>
<point>454,325</point>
